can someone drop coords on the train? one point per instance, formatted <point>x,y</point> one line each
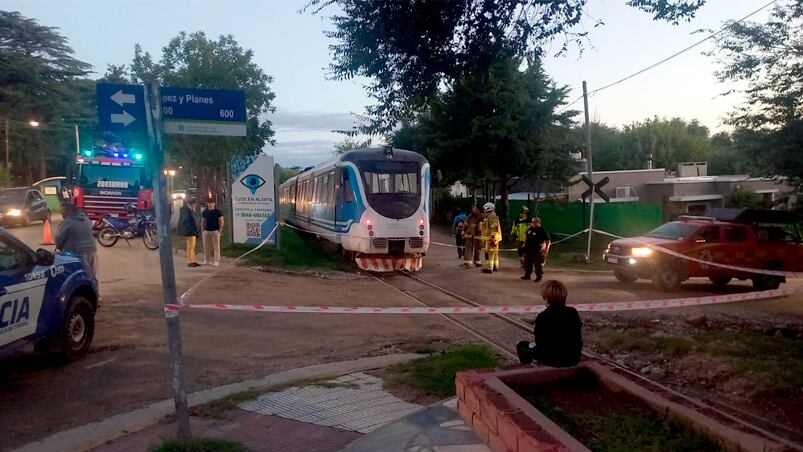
<point>374,203</point>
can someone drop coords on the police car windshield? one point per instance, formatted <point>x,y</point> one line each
<point>102,176</point>
<point>673,231</point>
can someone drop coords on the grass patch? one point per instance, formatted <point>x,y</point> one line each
<point>298,250</point>
<point>434,375</point>
<point>199,444</point>
<point>772,362</point>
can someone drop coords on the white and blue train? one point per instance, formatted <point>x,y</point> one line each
<point>375,203</point>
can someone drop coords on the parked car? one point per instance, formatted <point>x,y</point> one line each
<point>45,299</point>
<point>756,239</point>
<point>21,206</point>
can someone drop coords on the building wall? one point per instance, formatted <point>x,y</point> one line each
<point>637,179</point>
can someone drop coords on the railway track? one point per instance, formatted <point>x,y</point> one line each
<point>502,331</point>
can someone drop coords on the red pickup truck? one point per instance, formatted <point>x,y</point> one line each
<point>759,239</point>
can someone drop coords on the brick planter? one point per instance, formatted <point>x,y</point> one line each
<point>509,423</point>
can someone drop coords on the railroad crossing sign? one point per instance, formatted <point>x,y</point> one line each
<point>191,111</point>
<point>596,188</point>
<point>121,107</point>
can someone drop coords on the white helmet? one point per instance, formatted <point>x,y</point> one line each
<point>488,207</point>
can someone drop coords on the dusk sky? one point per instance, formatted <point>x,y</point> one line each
<point>291,47</point>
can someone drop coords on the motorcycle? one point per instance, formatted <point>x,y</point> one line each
<point>141,224</point>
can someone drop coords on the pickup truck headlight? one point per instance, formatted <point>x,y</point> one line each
<point>641,252</point>
<point>14,213</point>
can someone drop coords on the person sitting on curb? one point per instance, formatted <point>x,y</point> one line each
<point>558,331</point>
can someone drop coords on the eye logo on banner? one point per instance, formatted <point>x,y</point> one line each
<point>252,182</point>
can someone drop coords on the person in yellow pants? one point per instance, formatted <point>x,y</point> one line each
<point>492,230</point>
<point>188,228</point>
<point>472,255</point>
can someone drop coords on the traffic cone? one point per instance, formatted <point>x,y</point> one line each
<point>47,239</point>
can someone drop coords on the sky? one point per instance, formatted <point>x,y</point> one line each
<point>291,47</point>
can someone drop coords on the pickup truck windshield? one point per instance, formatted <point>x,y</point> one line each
<point>673,231</point>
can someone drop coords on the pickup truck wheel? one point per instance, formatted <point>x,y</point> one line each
<point>767,282</point>
<point>625,276</point>
<point>666,278</point>
<point>720,280</point>
<point>78,329</point>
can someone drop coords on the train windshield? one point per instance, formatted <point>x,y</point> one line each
<point>393,188</point>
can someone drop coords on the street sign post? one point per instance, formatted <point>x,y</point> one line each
<point>129,108</point>
<point>121,108</point>
<point>190,111</point>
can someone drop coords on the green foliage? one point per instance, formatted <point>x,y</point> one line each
<point>199,444</point>
<point>350,144</point>
<point>193,60</point>
<point>410,49</point>
<point>287,173</point>
<point>744,198</point>
<point>297,250</point>
<point>767,59</point>
<point>435,374</point>
<point>41,80</point>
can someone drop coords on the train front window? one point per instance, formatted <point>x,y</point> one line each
<point>393,188</point>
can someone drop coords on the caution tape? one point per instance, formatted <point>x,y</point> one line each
<point>516,249</point>
<point>760,271</point>
<point>519,309</point>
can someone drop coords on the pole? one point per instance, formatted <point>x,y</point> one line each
<point>77,141</point>
<point>8,153</point>
<point>156,161</point>
<point>590,171</point>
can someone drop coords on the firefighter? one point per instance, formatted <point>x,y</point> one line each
<point>492,231</point>
<point>472,235</point>
<point>519,230</point>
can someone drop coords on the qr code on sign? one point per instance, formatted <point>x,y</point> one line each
<point>253,229</point>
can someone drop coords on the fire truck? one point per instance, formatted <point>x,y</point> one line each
<point>107,178</point>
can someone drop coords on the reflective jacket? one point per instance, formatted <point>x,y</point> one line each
<point>492,228</point>
<point>519,229</point>
<point>473,222</point>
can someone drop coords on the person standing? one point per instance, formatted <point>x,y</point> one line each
<point>492,232</point>
<point>188,228</point>
<point>536,248</point>
<point>519,230</point>
<point>473,240</point>
<point>212,225</point>
<point>558,331</point>
<point>460,239</point>
<point>74,236</point>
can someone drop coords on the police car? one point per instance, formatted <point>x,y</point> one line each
<point>45,299</point>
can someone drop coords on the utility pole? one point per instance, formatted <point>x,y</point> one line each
<point>7,148</point>
<point>590,167</point>
<point>161,204</point>
<point>77,142</point>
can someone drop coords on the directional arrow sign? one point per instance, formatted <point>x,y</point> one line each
<point>121,107</point>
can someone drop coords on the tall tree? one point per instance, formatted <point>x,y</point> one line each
<point>496,127</point>
<point>768,59</point>
<point>350,143</point>
<point>40,80</point>
<point>193,60</point>
<point>410,49</point>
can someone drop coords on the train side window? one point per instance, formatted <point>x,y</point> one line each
<point>330,190</point>
<point>348,193</point>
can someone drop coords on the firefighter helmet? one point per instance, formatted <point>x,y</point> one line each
<point>488,207</point>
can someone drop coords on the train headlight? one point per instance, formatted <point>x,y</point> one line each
<point>641,252</point>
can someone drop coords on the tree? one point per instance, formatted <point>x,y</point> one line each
<point>411,49</point>
<point>193,60</point>
<point>287,173</point>
<point>768,59</point>
<point>496,127</point>
<point>350,143</point>
<point>39,80</point>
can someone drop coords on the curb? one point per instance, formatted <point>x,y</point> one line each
<point>96,434</point>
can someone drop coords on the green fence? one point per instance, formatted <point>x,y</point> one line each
<point>625,219</point>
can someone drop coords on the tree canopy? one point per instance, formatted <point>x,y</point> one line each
<point>410,49</point>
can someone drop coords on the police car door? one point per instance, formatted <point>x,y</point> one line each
<point>21,292</point>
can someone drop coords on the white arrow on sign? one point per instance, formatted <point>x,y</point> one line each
<point>121,98</point>
<point>123,118</point>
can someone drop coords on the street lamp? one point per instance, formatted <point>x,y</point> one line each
<point>172,174</point>
<point>33,123</point>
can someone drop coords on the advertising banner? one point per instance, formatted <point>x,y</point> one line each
<point>253,199</point>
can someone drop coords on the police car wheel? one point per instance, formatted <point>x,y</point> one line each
<point>625,276</point>
<point>78,329</point>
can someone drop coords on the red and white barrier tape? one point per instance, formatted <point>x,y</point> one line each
<point>521,309</point>
<point>761,271</point>
<point>516,249</point>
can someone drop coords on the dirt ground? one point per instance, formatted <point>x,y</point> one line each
<point>128,367</point>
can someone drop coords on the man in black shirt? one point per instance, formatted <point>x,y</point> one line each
<point>558,331</point>
<point>212,227</point>
<point>536,247</point>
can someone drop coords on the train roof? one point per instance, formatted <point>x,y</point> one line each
<point>380,153</point>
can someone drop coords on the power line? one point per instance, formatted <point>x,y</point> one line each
<point>712,35</point>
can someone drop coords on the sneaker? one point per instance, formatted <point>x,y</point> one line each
<point>477,265</point>
<point>216,264</point>
<point>193,264</point>
<point>526,278</point>
<point>487,270</point>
